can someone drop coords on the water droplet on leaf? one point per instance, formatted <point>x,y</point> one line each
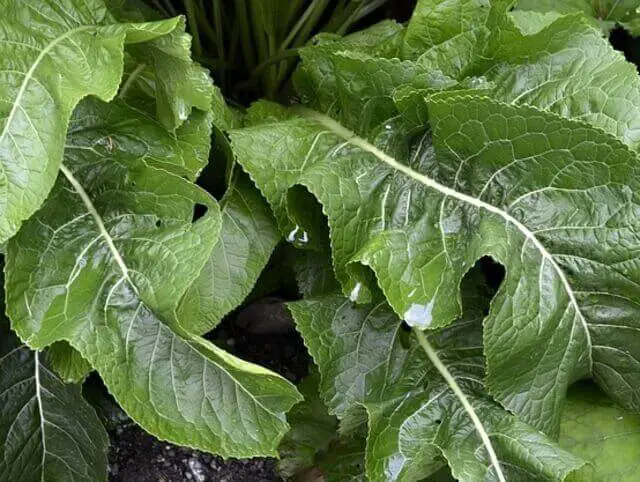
<point>298,237</point>
<point>419,315</point>
<point>353,296</point>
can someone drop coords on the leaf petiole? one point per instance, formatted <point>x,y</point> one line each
<point>455,388</point>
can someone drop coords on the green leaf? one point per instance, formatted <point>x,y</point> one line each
<point>92,266</point>
<point>315,79</point>
<point>178,83</point>
<point>247,238</point>
<point>343,461</point>
<point>312,430</point>
<point>566,67</point>
<point>313,271</point>
<point>67,363</point>
<point>47,431</point>
<point>601,432</point>
<point>120,128</point>
<point>415,422</point>
<point>604,14</point>
<point>442,23</point>
<point>421,219</point>
<point>54,53</point>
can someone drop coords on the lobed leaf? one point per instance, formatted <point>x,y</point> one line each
<point>411,208</point>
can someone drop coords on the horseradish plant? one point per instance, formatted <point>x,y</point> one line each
<point>412,152</point>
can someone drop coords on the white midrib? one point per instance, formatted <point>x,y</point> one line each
<point>350,136</point>
<point>41,411</point>
<point>30,73</point>
<point>125,272</point>
<point>98,220</point>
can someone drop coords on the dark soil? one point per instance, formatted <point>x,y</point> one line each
<point>136,456</point>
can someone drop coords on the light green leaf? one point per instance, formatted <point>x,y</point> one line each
<point>53,53</point>
<point>312,430</point>
<point>92,267</point>
<point>67,362</point>
<point>601,432</point>
<point>178,83</point>
<point>566,67</point>
<point>415,422</point>
<point>47,431</point>
<point>604,14</point>
<point>247,238</point>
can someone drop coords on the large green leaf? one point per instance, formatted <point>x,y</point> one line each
<point>53,53</point>
<point>92,267</point>
<point>47,431</point>
<point>419,218</point>
<point>419,211</point>
<point>118,127</point>
<point>415,421</point>
<point>603,433</point>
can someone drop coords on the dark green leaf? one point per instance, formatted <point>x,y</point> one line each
<point>47,431</point>
<point>312,429</point>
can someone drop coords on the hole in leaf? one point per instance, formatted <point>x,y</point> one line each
<point>158,223</point>
<point>199,210</point>
<point>438,421</point>
<point>405,335</point>
<point>493,272</point>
